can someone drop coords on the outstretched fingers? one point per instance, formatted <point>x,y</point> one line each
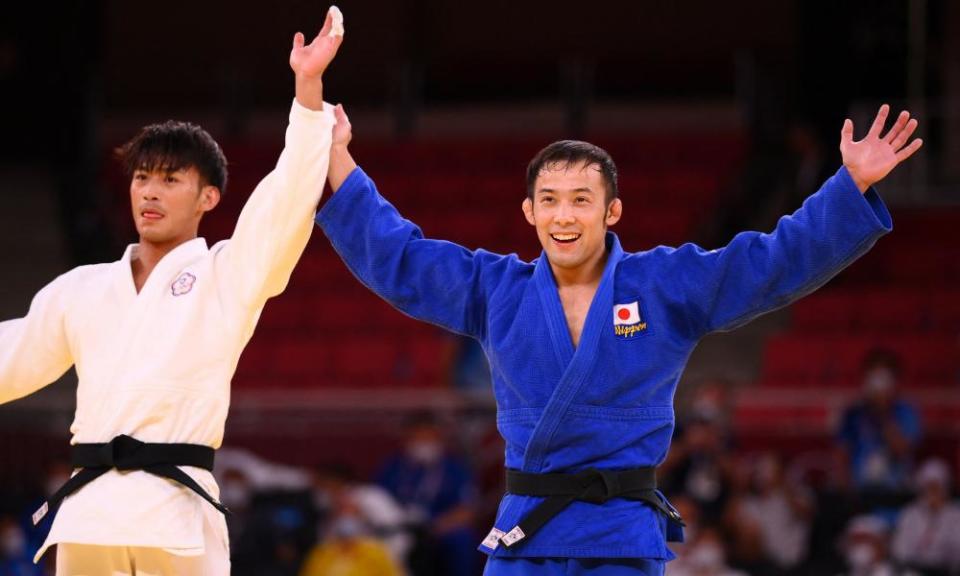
<point>897,127</point>
<point>907,152</point>
<point>879,121</point>
<point>904,134</point>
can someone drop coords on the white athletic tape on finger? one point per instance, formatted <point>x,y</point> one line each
<point>337,28</point>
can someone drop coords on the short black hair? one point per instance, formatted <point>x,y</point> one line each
<point>880,357</point>
<point>171,146</point>
<point>569,152</point>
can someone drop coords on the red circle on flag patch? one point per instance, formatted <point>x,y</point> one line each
<point>623,313</point>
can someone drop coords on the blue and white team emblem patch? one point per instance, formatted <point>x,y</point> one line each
<point>627,321</point>
<point>183,284</point>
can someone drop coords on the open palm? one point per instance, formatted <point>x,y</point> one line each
<point>869,160</point>
<point>312,59</point>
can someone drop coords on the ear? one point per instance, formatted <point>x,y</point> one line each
<point>528,211</point>
<point>209,198</point>
<point>614,211</point>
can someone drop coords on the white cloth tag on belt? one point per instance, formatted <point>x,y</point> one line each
<point>513,536</point>
<point>337,28</point>
<point>493,538</point>
<point>39,514</point>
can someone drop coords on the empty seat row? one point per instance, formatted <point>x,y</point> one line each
<point>798,359</point>
<point>884,311</point>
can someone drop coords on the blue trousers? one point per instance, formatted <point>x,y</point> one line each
<point>573,567</point>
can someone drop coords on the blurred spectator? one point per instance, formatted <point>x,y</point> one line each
<point>272,524</point>
<point>702,552</point>
<point>771,521</point>
<point>465,365</point>
<point>337,487</point>
<point>348,548</point>
<point>270,530</point>
<point>236,493</point>
<point>879,434</point>
<point>261,475</point>
<point>866,548</point>
<point>699,465</point>
<point>437,493</point>
<point>711,402</point>
<point>15,559</point>
<point>927,536</point>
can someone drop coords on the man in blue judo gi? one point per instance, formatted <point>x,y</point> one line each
<point>587,343</point>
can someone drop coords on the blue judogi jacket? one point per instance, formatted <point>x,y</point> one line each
<point>608,403</point>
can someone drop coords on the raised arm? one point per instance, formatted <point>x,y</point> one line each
<point>432,280</point>
<point>275,225</point>
<point>34,351</point>
<point>756,273</point>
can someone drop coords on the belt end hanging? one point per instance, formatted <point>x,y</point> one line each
<point>40,513</point>
<point>513,536</point>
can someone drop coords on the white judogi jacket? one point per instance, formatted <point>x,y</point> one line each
<point>157,365</point>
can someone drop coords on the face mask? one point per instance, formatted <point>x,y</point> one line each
<point>322,500</point>
<point>706,556</point>
<point>425,452</point>
<point>879,381</point>
<point>13,544</point>
<point>234,494</point>
<point>707,408</point>
<point>347,527</point>
<point>860,556</point>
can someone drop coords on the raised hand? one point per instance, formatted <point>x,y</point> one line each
<point>869,160</point>
<point>310,60</point>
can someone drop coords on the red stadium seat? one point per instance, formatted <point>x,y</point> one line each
<point>827,312</point>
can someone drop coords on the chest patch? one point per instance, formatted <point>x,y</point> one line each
<point>627,321</point>
<point>183,284</point>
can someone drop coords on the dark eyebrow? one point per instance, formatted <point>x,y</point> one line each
<point>552,191</point>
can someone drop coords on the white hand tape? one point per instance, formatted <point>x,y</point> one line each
<point>337,28</point>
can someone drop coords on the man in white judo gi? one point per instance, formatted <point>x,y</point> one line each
<point>156,336</point>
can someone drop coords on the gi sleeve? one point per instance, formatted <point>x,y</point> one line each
<point>757,273</point>
<point>432,280</point>
<point>276,222</point>
<point>34,350</point>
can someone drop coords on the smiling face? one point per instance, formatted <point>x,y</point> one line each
<point>570,211</point>
<point>167,206</point>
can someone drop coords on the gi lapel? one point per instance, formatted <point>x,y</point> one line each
<point>578,362</point>
<point>135,313</point>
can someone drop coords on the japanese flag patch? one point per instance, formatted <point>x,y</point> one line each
<point>627,321</point>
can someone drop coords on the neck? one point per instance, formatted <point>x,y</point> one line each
<point>148,254</point>
<point>587,274</point>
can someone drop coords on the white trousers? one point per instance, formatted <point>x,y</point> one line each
<point>92,560</point>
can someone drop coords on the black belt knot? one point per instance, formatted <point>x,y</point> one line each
<point>119,453</point>
<point>125,453</point>
<point>598,485</point>
<point>591,485</point>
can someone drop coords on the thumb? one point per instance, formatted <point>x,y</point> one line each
<point>846,133</point>
<point>340,114</point>
<point>298,40</point>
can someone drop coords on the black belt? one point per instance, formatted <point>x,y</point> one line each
<point>126,453</point>
<point>596,486</point>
